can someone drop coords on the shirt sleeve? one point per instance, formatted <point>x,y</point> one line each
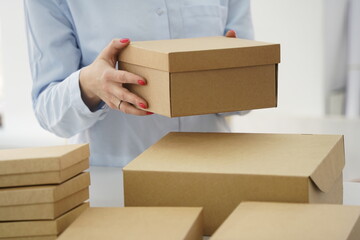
<point>239,19</point>
<point>55,62</point>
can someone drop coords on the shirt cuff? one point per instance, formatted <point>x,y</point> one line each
<point>239,113</point>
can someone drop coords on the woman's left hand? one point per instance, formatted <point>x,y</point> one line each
<point>231,33</point>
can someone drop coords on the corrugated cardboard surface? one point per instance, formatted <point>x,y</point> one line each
<point>50,237</point>
<point>193,54</point>
<point>280,221</point>
<point>334,195</point>
<point>137,223</point>
<point>218,170</point>
<point>43,211</point>
<point>203,75</point>
<point>41,178</point>
<point>225,90</point>
<point>156,91</point>
<point>42,165</point>
<point>26,229</point>
<point>43,202</point>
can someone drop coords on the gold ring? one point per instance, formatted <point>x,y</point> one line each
<point>120,101</point>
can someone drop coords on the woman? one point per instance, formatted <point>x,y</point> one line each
<point>77,91</point>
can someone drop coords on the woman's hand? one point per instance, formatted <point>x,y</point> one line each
<point>231,33</point>
<point>101,81</point>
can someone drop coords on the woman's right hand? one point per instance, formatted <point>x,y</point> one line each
<point>102,81</point>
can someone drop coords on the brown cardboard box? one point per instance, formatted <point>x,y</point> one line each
<point>284,221</point>
<point>35,238</point>
<point>42,165</point>
<point>137,223</point>
<point>219,170</point>
<point>43,202</point>
<point>203,75</point>
<point>48,229</point>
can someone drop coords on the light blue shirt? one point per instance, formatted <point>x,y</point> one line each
<point>66,35</point>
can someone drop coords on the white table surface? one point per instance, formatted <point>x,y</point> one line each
<point>106,189</point>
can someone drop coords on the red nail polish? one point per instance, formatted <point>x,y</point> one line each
<point>141,82</point>
<point>149,113</point>
<point>124,40</point>
<point>142,105</point>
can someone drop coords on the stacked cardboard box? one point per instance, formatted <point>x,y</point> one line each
<point>219,170</point>
<point>42,190</point>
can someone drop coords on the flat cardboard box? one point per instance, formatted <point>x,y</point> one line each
<point>42,165</point>
<point>43,202</point>
<point>137,223</point>
<point>219,170</point>
<point>284,221</point>
<point>203,75</point>
<point>40,229</point>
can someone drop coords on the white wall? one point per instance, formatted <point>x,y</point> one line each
<point>1,74</point>
<point>1,81</point>
<point>298,27</point>
<point>20,128</point>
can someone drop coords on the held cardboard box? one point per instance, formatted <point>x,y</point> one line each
<point>284,221</point>
<point>43,229</point>
<point>219,170</point>
<point>43,202</point>
<point>203,75</point>
<point>42,165</point>
<point>137,223</point>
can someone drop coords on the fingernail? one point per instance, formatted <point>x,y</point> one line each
<point>142,105</point>
<point>141,82</point>
<point>124,40</point>
<point>149,113</point>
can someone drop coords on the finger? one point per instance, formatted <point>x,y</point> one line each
<point>111,101</point>
<point>121,76</point>
<point>112,50</point>
<point>231,33</point>
<point>130,109</point>
<point>127,96</point>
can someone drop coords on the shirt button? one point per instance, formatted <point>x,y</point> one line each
<point>160,11</point>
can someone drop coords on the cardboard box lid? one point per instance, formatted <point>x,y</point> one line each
<point>181,55</point>
<point>41,159</point>
<point>277,221</point>
<point>44,193</point>
<point>136,223</point>
<point>39,228</point>
<point>320,157</point>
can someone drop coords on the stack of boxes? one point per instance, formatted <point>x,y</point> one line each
<point>42,190</point>
<point>167,185</point>
<point>217,171</point>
